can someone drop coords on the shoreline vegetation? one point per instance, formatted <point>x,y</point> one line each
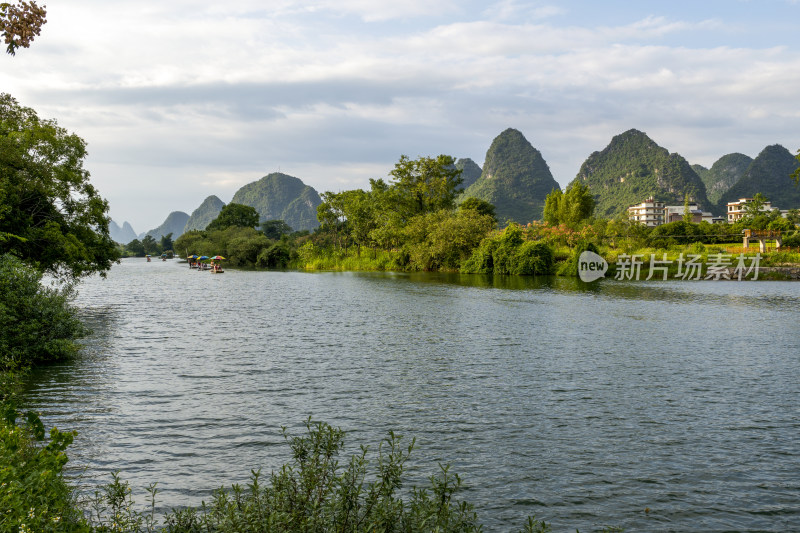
<point>420,221</point>
<point>53,222</point>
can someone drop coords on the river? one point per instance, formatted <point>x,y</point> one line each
<point>582,405</point>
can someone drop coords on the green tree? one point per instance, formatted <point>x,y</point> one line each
<point>135,248</point>
<point>753,208</point>
<point>552,207</point>
<point>482,207</point>
<point>443,240</point>
<point>20,23</point>
<point>578,204</point>
<point>38,325</point>
<point>796,174</point>
<point>50,215</point>
<point>235,215</point>
<point>165,244</point>
<point>150,245</point>
<point>570,207</point>
<point>687,213</point>
<point>426,184</point>
<point>275,229</point>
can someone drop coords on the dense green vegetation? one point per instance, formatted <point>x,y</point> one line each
<point>633,167</point>
<point>148,246</point>
<point>281,197</point>
<point>204,214</point>
<point>722,175</point>
<point>770,174</point>
<point>571,207</point>
<point>233,214</point>
<point>50,214</point>
<point>515,179</point>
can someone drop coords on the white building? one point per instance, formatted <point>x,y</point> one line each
<point>737,210</point>
<point>650,213</point>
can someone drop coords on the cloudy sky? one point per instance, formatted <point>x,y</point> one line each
<point>182,99</point>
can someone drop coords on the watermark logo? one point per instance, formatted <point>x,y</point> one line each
<point>591,266</point>
<point>718,266</point>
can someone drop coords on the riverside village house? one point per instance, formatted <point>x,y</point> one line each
<point>652,213</point>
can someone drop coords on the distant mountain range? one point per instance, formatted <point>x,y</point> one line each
<point>275,196</point>
<point>516,179</point>
<point>768,174</point>
<point>470,171</point>
<point>124,234</point>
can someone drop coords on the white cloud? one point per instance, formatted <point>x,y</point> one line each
<point>188,97</point>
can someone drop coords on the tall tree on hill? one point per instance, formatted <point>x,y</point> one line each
<point>235,215</point>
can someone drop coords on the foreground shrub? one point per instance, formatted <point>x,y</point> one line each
<point>508,253</point>
<point>570,267</point>
<point>38,324</point>
<point>314,493</point>
<point>33,494</point>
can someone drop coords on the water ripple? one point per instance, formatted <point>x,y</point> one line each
<point>580,405</point>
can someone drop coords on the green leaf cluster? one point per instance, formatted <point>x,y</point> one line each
<point>315,493</point>
<point>50,215</point>
<point>508,253</point>
<point>38,324</point>
<point>571,207</point>
<point>34,496</point>
<point>234,215</point>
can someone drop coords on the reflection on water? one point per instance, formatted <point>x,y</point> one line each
<point>582,404</point>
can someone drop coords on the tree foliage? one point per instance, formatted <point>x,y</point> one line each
<point>509,253</point>
<point>275,229</point>
<point>570,207</point>
<point>38,324</point>
<point>482,207</point>
<point>50,215</point>
<point>425,185</point>
<point>20,23</point>
<point>238,215</point>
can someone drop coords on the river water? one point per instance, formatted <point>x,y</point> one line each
<point>582,405</point>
